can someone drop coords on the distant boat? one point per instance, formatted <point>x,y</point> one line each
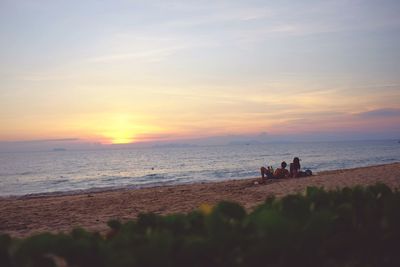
<point>58,149</point>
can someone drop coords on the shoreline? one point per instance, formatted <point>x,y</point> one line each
<point>21,216</point>
<point>96,190</point>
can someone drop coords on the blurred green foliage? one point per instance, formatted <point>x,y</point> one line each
<point>345,227</point>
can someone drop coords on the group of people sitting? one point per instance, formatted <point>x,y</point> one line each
<point>293,172</point>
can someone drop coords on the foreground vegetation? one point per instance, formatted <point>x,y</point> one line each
<point>347,227</point>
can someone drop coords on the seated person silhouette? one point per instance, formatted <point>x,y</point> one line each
<point>278,174</point>
<point>295,168</point>
<point>281,172</point>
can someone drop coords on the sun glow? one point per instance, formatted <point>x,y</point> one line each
<point>121,137</point>
<point>119,129</point>
<point>125,129</point>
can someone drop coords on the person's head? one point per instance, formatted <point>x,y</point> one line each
<point>283,164</point>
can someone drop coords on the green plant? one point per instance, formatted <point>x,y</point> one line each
<point>345,227</point>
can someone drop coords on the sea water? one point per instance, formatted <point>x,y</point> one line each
<point>24,173</point>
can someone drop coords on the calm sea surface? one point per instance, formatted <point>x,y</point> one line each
<point>45,172</point>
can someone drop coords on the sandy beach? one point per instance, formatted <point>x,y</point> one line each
<point>23,216</point>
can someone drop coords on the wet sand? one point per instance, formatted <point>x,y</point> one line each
<point>34,214</point>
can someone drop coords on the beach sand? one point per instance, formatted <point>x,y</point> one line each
<point>23,216</point>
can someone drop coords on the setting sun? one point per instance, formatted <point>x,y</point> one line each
<point>125,129</point>
<point>119,129</point>
<point>121,137</point>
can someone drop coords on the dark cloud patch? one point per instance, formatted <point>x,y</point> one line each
<point>45,140</point>
<point>385,112</point>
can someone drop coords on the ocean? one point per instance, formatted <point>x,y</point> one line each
<point>23,173</point>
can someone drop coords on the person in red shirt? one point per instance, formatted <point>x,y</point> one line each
<point>281,172</point>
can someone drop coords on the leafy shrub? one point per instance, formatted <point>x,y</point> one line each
<point>345,227</point>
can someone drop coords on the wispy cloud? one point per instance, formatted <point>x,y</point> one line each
<point>269,19</point>
<point>44,76</point>
<point>146,46</point>
<point>151,55</point>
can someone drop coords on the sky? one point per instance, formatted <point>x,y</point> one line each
<point>115,72</point>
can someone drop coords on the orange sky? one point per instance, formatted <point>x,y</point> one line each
<point>123,72</point>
